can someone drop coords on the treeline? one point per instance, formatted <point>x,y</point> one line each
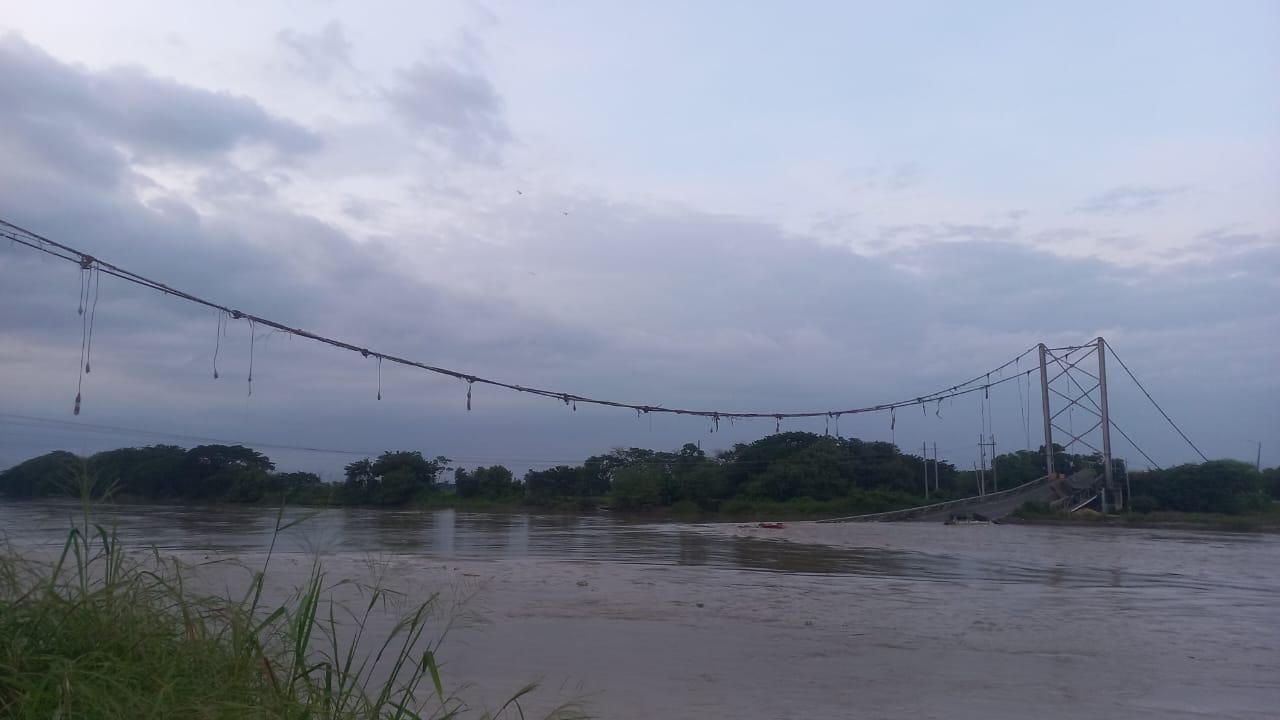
<point>1217,486</point>
<point>208,473</point>
<point>794,471</point>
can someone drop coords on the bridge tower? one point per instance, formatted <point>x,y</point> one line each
<point>1077,387</point>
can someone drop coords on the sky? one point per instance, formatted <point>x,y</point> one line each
<point>726,206</point>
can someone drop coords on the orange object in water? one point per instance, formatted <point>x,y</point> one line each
<point>772,526</point>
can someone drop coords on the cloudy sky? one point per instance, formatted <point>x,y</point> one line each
<point>763,206</point>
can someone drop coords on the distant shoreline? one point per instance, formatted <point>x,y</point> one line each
<point>1262,522</point>
<point>1265,522</point>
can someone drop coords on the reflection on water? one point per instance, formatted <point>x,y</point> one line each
<point>446,533</point>
<point>719,620</point>
<point>1052,557</point>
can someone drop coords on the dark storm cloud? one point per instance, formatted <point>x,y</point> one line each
<point>151,116</point>
<point>459,109</point>
<point>319,55</point>
<point>1130,199</point>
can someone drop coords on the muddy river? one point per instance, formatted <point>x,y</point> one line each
<point>903,620</point>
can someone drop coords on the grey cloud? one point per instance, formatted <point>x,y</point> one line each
<point>460,110</point>
<point>1015,287</point>
<point>234,182</point>
<point>54,146</point>
<point>925,233</point>
<point>1128,200</point>
<point>628,302</point>
<point>1119,241</point>
<point>359,209</point>
<point>151,116</point>
<point>614,300</point>
<point>319,55</point>
<point>1235,238</point>
<point>1054,236</point>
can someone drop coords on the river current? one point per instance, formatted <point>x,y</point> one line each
<point>643,619</point>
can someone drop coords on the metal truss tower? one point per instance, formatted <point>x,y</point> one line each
<point>1075,388</point>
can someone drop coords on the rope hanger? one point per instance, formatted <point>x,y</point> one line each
<point>97,266</point>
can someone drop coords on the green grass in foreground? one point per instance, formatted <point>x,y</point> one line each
<point>98,633</point>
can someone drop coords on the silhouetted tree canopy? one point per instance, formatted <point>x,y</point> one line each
<point>803,470</point>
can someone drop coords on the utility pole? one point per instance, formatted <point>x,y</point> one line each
<point>1257,462</point>
<point>1044,404</point>
<point>936,486</point>
<point>995,474</point>
<point>984,442</point>
<point>924,455</point>
<point>1107,471</point>
<point>982,456</point>
<point>1128,491</point>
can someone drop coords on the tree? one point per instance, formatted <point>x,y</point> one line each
<point>1271,481</point>
<point>153,472</point>
<point>209,471</point>
<point>1018,467</point>
<point>1217,486</point>
<point>544,487</point>
<point>489,482</point>
<point>637,486</point>
<point>292,482</point>
<point>392,479</point>
<point>395,488</point>
<point>424,471</point>
<point>37,476</point>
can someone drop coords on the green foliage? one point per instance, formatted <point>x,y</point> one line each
<point>637,486</point>
<point>98,635</point>
<point>1271,482</point>
<point>1144,504</point>
<point>796,471</point>
<point>491,483</point>
<point>394,478</point>
<point>1019,467</point>
<point>153,473</point>
<point>37,476</point>
<point>1217,486</point>
<point>1035,508</point>
<point>224,473</point>
<point>555,485</point>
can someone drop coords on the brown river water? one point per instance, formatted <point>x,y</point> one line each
<point>885,620</point>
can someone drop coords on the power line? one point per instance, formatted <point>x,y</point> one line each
<point>89,262</point>
<point>53,424</point>
<point>1088,396</point>
<point>31,421</point>
<point>1153,402</point>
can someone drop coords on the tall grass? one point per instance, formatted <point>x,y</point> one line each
<point>99,632</point>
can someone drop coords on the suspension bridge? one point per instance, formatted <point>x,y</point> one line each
<point>1071,378</point>
<point>1064,377</point>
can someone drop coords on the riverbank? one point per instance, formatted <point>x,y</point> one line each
<point>1268,522</point>
<point>645,620</point>
<point>100,631</point>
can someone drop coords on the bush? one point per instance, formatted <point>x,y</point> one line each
<point>1216,486</point>
<point>1034,508</point>
<point>685,507</point>
<point>1144,504</point>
